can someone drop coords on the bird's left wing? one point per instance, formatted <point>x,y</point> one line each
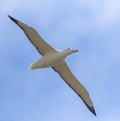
<point>42,46</point>
<point>71,80</point>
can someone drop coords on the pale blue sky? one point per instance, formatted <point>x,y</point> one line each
<point>93,27</point>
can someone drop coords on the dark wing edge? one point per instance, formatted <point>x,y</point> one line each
<point>17,22</point>
<point>91,108</point>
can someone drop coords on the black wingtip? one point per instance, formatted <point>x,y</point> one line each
<point>13,19</point>
<point>93,110</point>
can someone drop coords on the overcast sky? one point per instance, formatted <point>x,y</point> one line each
<point>91,26</point>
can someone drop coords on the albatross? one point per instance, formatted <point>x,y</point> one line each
<point>55,59</point>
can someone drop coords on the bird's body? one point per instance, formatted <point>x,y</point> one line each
<point>55,59</point>
<point>52,59</point>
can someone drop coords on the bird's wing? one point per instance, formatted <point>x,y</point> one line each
<point>42,46</point>
<point>71,80</point>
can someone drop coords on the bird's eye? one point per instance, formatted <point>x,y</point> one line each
<point>69,48</point>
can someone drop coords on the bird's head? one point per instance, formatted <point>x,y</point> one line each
<point>70,51</point>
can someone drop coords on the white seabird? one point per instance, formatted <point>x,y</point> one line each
<point>55,59</point>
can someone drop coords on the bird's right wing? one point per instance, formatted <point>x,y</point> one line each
<point>42,46</point>
<point>71,80</point>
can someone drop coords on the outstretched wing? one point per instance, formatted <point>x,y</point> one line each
<point>71,80</point>
<point>42,46</point>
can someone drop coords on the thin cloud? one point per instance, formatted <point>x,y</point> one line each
<point>92,27</point>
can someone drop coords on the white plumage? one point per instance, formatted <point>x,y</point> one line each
<point>55,59</point>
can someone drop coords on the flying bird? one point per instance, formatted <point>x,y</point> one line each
<point>55,59</point>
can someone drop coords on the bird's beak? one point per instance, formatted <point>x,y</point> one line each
<point>74,51</point>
